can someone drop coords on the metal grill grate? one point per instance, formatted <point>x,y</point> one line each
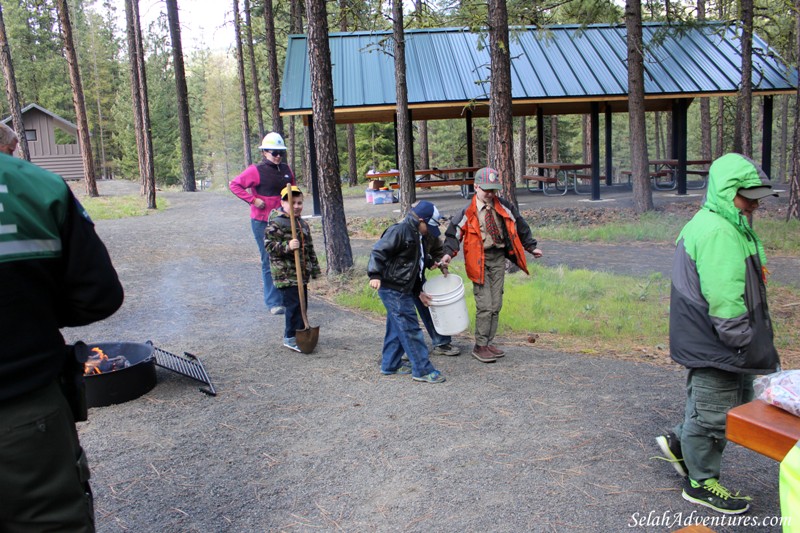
<point>189,366</point>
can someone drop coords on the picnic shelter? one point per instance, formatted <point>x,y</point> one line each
<point>556,70</point>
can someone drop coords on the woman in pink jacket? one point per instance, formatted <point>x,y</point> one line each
<point>260,186</point>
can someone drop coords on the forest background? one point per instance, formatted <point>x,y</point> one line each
<point>215,100</point>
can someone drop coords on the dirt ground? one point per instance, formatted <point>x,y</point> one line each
<point>540,441</point>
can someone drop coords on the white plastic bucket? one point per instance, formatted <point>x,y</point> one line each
<point>448,306</point>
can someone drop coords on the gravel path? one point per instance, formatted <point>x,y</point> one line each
<point>540,441</point>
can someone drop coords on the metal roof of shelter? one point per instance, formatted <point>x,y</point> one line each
<point>560,69</point>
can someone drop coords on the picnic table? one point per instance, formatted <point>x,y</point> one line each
<point>763,428</point>
<point>435,177</point>
<point>670,168</point>
<point>559,178</point>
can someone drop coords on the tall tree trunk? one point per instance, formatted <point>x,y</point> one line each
<point>668,148</point>
<point>237,25</point>
<point>78,101</point>
<point>149,176</point>
<point>352,164</point>
<point>657,133</point>
<point>720,147</point>
<point>522,151</point>
<point>586,122</point>
<point>138,123</point>
<point>182,94</point>
<point>424,145</point>
<point>334,223</point>
<point>296,25</point>
<point>794,187</point>
<point>408,191</point>
<point>11,90</point>
<point>743,136</point>
<point>642,195</point>
<point>100,134</point>
<point>705,104</point>
<point>554,148</point>
<point>272,67</point>
<point>784,138</point>
<point>251,56</point>
<point>501,121</point>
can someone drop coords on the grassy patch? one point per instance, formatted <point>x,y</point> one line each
<point>778,235</point>
<point>580,310</point>
<point>111,207</point>
<point>648,227</point>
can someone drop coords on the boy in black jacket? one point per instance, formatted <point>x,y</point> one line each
<point>397,270</point>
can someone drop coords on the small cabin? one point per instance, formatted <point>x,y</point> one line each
<point>52,142</point>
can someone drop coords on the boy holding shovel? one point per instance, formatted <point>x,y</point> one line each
<point>281,245</point>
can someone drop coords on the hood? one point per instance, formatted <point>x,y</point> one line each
<point>726,176</point>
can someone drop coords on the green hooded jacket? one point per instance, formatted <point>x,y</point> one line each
<point>718,310</point>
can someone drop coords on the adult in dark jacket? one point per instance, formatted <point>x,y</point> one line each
<point>719,326</point>
<point>54,273</point>
<point>397,270</point>
<point>260,186</point>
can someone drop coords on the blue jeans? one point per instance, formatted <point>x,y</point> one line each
<point>403,334</point>
<point>427,321</point>
<point>711,393</point>
<point>272,297</point>
<point>293,317</point>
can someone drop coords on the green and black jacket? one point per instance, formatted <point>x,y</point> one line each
<point>718,311</point>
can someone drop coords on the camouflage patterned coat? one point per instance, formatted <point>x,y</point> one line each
<point>281,258</point>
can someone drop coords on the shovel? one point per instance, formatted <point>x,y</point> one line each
<point>306,338</point>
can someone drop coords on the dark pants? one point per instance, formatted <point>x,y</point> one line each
<point>711,393</point>
<point>44,475</point>
<point>293,317</point>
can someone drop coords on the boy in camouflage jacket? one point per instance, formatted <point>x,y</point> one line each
<point>280,245</point>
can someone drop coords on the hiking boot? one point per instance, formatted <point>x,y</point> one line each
<point>670,446</point>
<point>445,349</point>
<point>497,352</point>
<point>402,369</point>
<point>433,377</point>
<point>277,310</point>
<point>292,344</point>
<point>714,496</point>
<point>483,354</point>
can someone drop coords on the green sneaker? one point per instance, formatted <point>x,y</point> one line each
<point>714,496</point>
<point>671,448</point>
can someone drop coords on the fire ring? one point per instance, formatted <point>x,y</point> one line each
<point>124,384</point>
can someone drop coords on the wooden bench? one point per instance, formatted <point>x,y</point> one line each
<point>763,428</point>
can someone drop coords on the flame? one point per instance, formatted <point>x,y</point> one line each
<point>92,365</point>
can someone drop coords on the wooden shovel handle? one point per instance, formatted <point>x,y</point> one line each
<point>297,267</point>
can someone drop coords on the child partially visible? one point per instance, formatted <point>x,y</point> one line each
<point>280,245</point>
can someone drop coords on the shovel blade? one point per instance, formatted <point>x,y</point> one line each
<point>307,339</point>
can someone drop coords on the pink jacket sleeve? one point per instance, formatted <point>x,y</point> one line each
<point>242,186</point>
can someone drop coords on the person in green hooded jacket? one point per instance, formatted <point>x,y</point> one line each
<point>719,325</point>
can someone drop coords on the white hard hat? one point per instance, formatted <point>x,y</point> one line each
<point>272,141</point>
